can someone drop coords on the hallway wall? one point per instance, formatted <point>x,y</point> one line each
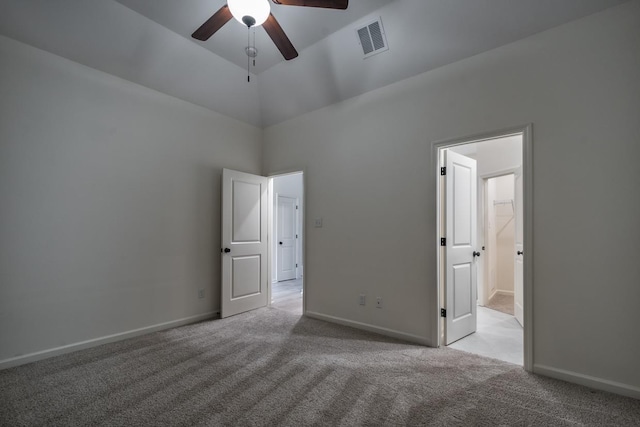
<point>370,175</point>
<point>109,204</point>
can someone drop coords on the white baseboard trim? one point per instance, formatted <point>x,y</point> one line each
<point>371,328</point>
<point>44,354</point>
<point>501,292</point>
<point>587,380</point>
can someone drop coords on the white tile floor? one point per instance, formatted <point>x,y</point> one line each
<point>287,296</point>
<point>498,335</point>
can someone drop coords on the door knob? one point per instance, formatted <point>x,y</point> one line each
<point>520,253</point>
<point>475,254</point>
<point>227,250</point>
<point>280,242</point>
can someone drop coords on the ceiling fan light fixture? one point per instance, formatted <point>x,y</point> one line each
<point>259,10</point>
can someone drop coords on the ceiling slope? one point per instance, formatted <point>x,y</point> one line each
<point>110,37</point>
<point>422,35</point>
<point>303,25</point>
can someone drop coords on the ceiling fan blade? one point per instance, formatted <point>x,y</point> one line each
<point>279,38</point>
<point>213,24</point>
<point>327,4</point>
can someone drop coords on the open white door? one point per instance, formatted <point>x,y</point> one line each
<point>460,251</point>
<point>286,238</point>
<point>244,242</point>
<point>518,270</point>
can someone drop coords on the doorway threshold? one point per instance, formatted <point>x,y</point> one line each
<point>287,296</point>
<point>498,336</point>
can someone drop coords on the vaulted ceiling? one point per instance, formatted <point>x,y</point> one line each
<point>149,42</point>
<point>304,26</point>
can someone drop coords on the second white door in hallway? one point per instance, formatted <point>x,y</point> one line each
<point>286,238</point>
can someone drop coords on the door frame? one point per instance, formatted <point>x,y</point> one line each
<point>527,175</point>
<point>271,218</point>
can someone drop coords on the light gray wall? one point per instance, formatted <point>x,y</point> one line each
<point>109,202</point>
<point>369,174</point>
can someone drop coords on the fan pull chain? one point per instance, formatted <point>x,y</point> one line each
<point>248,58</point>
<point>254,46</point>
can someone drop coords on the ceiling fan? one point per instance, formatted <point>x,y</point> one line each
<point>258,12</point>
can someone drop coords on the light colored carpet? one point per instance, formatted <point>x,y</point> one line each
<point>270,367</point>
<point>503,303</point>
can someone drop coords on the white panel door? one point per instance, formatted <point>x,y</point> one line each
<point>244,242</point>
<point>286,238</point>
<point>460,252</point>
<point>518,270</point>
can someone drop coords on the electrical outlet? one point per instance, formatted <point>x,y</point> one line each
<point>362,299</point>
<point>200,293</point>
<point>318,222</point>
<point>379,302</point>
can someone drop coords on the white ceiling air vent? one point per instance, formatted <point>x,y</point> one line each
<point>372,38</point>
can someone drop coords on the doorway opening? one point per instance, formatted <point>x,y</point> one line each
<point>249,248</point>
<point>496,290</point>
<point>286,244</point>
<point>484,230</point>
